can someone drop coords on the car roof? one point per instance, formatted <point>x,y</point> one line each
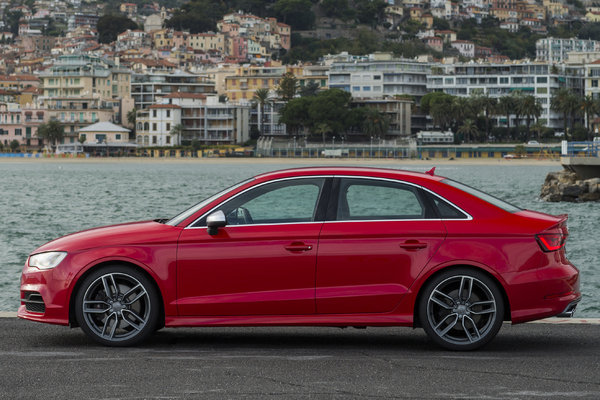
<point>389,173</point>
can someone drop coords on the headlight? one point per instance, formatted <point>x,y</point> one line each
<point>47,260</point>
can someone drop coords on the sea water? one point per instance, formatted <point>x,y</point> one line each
<point>42,200</point>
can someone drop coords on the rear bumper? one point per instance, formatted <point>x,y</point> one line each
<point>544,292</point>
<point>570,309</point>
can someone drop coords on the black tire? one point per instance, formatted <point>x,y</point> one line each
<point>124,317</point>
<point>461,309</point>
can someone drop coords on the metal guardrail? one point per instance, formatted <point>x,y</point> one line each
<point>582,149</point>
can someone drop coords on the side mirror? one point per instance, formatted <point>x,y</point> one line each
<point>215,221</point>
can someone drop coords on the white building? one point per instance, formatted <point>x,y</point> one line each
<point>384,77</point>
<point>541,80</point>
<point>555,49</point>
<point>154,125</point>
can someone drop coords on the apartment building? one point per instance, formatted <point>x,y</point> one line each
<point>154,125</point>
<point>541,80</point>
<point>381,78</point>
<point>148,87</point>
<point>83,75</point>
<point>75,113</point>
<point>20,124</point>
<point>247,79</point>
<point>203,118</point>
<point>557,49</point>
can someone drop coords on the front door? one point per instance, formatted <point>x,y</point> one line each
<point>262,262</point>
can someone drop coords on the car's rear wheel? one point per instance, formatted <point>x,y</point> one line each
<point>461,309</point>
<point>117,306</point>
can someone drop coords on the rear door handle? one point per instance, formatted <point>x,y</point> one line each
<point>413,245</point>
<point>298,246</point>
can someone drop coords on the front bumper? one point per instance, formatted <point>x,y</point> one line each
<point>44,296</point>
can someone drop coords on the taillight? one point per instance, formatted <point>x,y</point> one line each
<point>551,241</point>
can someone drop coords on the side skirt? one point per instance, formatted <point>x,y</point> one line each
<point>294,320</point>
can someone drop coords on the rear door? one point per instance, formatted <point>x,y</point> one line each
<point>381,235</point>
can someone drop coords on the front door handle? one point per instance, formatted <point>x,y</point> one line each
<point>413,245</point>
<point>298,246</point>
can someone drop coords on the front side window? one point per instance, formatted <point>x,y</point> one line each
<point>288,201</point>
<point>363,199</point>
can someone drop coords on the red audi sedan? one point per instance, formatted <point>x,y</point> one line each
<point>313,246</point>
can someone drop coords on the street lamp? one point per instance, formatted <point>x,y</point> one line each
<point>371,149</point>
<point>333,141</point>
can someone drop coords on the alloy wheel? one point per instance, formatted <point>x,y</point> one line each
<point>462,310</point>
<point>116,307</point>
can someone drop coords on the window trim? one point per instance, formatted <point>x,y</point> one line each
<point>331,210</point>
<point>322,202</point>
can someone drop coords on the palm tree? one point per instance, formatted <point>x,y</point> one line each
<point>376,123</point>
<point>177,131</point>
<point>486,105</point>
<point>468,129</point>
<point>506,104</point>
<point>322,128</point>
<point>462,109</point>
<point>528,106</point>
<point>567,103</point>
<point>261,98</point>
<point>589,107</point>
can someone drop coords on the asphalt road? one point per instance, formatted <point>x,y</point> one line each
<point>530,361</point>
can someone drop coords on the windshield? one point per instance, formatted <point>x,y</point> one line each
<point>483,196</point>
<point>179,218</point>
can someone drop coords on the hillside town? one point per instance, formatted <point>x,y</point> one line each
<point>160,87</point>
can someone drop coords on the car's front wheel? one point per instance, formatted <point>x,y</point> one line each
<point>117,306</point>
<point>461,309</point>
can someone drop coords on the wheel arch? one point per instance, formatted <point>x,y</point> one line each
<point>507,313</point>
<point>73,321</point>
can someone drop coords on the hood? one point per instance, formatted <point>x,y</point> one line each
<point>135,233</point>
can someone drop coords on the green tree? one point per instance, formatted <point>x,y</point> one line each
<point>376,123</point>
<point>296,13</point>
<point>295,114</point>
<point>132,117</point>
<point>337,9</point>
<point>462,109</point>
<point>506,106</point>
<point>439,106</point>
<point>330,107</point>
<point>468,129</point>
<point>198,16</point>
<point>567,103</point>
<point>288,85</point>
<point>486,105</point>
<point>14,145</point>
<point>110,26</point>
<point>177,131</point>
<point>261,99</point>
<point>529,107</point>
<point>310,89</point>
<point>51,131</point>
<point>589,108</point>
<point>370,12</point>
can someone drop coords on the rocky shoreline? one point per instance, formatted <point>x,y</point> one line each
<point>568,186</point>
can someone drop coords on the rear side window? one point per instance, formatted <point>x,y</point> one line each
<point>363,199</point>
<point>446,210</point>
<point>483,196</point>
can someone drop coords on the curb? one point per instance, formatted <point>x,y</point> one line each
<point>557,321</point>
